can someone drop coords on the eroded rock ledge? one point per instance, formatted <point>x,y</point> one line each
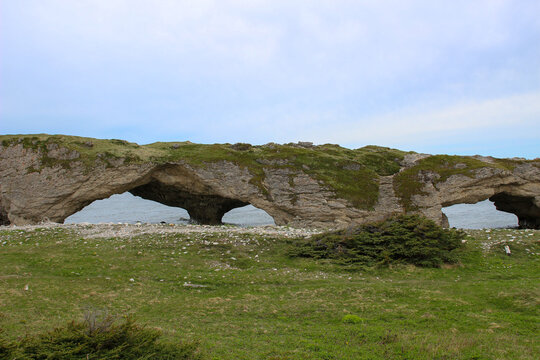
<point>45,177</point>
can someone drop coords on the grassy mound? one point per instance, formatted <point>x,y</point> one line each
<point>408,239</point>
<point>103,339</point>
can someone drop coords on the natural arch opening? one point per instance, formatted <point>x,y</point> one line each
<point>248,215</point>
<point>482,215</point>
<point>130,209</point>
<point>202,208</point>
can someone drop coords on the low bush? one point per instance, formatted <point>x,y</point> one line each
<point>6,347</point>
<point>98,340</point>
<point>408,239</point>
<point>351,319</point>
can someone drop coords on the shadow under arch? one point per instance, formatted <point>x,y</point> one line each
<point>205,209</point>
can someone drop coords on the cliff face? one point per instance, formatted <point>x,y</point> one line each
<point>46,177</point>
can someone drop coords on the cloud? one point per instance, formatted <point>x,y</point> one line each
<point>511,115</point>
<point>390,35</point>
<point>415,125</point>
<point>351,72</point>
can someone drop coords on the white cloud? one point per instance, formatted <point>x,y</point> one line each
<point>415,125</point>
<point>273,70</point>
<point>410,127</point>
<point>385,38</point>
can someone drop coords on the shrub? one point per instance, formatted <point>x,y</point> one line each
<point>351,319</point>
<point>6,347</point>
<point>99,340</point>
<point>241,146</point>
<point>399,239</point>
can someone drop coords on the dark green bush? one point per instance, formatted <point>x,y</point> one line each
<point>408,239</point>
<point>98,340</point>
<point>6,347</point>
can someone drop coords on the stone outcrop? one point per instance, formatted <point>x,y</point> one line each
<point>48,178</point>
<point>514,187</point>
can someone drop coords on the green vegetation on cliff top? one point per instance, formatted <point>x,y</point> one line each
<point>439,168</point>
<point>351,174</point>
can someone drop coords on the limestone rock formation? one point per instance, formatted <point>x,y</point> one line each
<point>46,177</point>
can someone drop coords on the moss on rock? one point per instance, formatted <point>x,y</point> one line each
<point>351,174</point>
<point>438,168</point>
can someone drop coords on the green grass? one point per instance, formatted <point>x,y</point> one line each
<point>258,303</point>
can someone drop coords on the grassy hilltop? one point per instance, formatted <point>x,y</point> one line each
<point>352,174</point>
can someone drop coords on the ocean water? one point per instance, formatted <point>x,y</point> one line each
<point>482,215</point>
<point>126,208</point>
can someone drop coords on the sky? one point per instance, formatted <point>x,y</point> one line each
<point>433,76</point>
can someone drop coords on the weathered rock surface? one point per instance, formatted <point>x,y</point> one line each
<point>50,178</point>
<point>516,192</point>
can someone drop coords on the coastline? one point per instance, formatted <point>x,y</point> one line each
<point>126,230</point>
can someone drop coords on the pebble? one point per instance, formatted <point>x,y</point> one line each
<point>124,230</point>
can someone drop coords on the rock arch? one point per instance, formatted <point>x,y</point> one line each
<point>202,208</point>
<point>46,177</point>
<point>516,192</point>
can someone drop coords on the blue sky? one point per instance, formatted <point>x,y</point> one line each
<point>458,77</point>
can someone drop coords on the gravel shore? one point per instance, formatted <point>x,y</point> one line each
<point>124,230</point>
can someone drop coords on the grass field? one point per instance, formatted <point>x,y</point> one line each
<point>241,297</point>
